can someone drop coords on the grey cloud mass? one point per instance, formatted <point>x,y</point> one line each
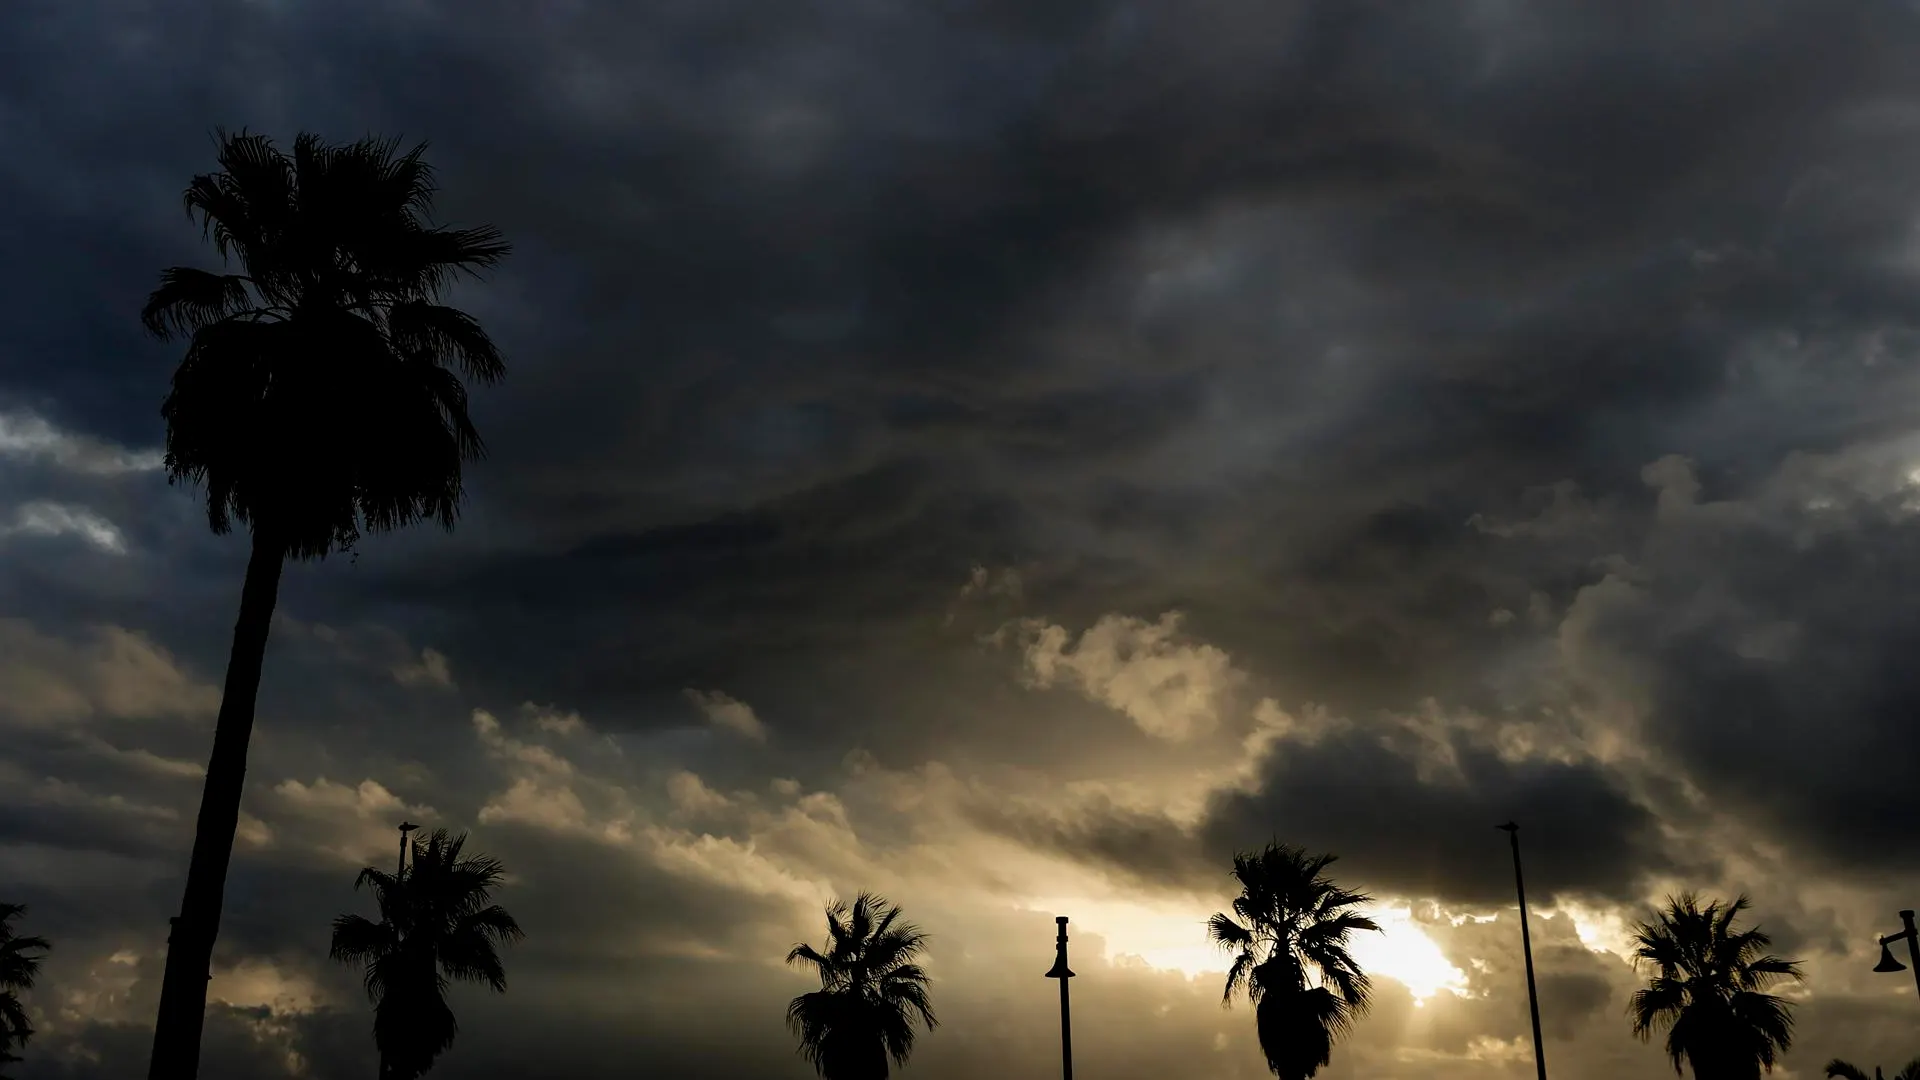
<point>1009,455</point>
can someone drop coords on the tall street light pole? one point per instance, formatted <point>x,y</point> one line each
<point>405,828</point>
<point>1888,963</point>
<point>1526,945</point>
<point>1063,973</point>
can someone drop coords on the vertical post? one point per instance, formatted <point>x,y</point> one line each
<point>1526,946</point>
<point>1913,945</point>
<point>405,828</point>
<point>1063,973</point>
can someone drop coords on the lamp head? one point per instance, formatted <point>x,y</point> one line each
<point>1887,962</point>
<point>1059,969</point>
<point>1508,827</point>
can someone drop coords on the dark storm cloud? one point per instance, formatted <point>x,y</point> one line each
<point>1503,214</point>
<point>1571,1000</point>
<point>1492,355</point>
<point>1405,821</point>
<point>1790,674</point>
<point>1140,846</point>
<point>1413,835</point>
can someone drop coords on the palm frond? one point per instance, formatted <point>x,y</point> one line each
<point>911,998</point>
<point>1764,971</point>
<point>18,968</point>
<point>15,1029</point>
<point>1227,934</point>
<point>1655,1005</point>
<point>189,299</point>
<point>807,954</point>
<point>1238,976</point>
<point>444,334</point>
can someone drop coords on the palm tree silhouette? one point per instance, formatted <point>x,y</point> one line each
<point>871,992</point>
<point>436,924</point>
<point>1847,1071</point>
<point>1707,984</point>
<point>17,971</point>
<point>320,395</point>
<point>1292,962</point>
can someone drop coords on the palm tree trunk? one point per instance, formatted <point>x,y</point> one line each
<point>183,989</point>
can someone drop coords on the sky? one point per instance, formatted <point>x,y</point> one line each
<point>1009,456</point>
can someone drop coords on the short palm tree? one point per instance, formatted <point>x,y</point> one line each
<point>1848,1071</point>
<point>437,923</point>
<point>320,395</point>
<point>18,966</point>
<point>1290,937</point>
<point>872,990</point>
<point>1707,985</point>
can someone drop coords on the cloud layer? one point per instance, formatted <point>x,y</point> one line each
<point>1010,456</point>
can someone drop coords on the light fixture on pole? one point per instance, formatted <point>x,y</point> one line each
<point>405,828</point>
<point>1912,937</point>
<point>1063,973</point>
<point>1526,946</point>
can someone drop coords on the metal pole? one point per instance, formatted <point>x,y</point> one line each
<point>1526,946</point>
<point>1063,973</point>
<point>1913,946</point>
<point>405,828</point>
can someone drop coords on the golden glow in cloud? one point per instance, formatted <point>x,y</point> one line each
<point>1403,952</point>
<point>1174,938</point>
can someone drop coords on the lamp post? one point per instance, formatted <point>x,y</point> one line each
<point>405,828</point>
<point>1912,936</point>
<point>1063,973</point>
<point>1526,946</point>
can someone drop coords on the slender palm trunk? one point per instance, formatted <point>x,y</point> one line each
<point>183,989</point>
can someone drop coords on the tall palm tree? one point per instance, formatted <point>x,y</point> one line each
<point>17,970</point>
<point>1291,939</point>
<point>1706,985</point>
<point>1848,1071</point>
<point>437,923</point>
<point>320,395</point>
<point>872,989</point>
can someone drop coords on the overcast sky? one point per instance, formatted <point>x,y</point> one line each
<point>1008,455</point>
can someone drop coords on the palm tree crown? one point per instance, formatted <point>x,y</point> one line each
<point>436,924</point>
<point>18,967</point>
<point>318,393</point>
<point>1290,937</point>
<point>1848,1071</point>
<point>872,989</point>
<point>1706,984</point>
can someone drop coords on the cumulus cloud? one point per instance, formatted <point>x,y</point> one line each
<point>25,434</point>
<point>728,714</point>
<point>42,518</point>
<point>1171,689</point>
<point>111,673</point>
<point>369,645</point>
<point>353,823</point>
<point>431,669</point>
